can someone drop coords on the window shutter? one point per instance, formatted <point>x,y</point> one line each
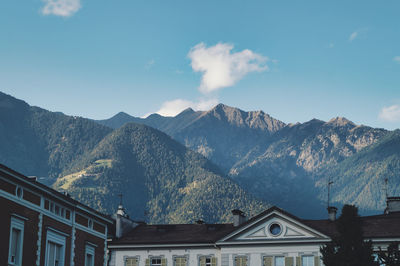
<point>147,262</point>
<point>298,261</point>
<point>163,262</point>
<point>267,261</point>
<point>316,261</point>
<point>202,261</point>
<point>213,261</point>
<point>288,261</point>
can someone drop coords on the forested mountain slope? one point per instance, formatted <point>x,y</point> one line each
<point>37,142</point>
<point>162,181</point>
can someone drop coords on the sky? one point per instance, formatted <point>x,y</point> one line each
<point>295,60</point>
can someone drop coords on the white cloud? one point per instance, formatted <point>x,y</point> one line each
<point>222,68</point>
<point>353,36</point>
<point>149,64</point>
<point>359,34</point>
<point>396,59</point>
<point>174,107</point>
<point>390,113</point>
<point>63,8</point>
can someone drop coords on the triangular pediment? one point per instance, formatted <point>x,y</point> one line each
<point>275,225</point>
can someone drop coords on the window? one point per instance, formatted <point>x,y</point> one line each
<point>19,192</point>
<point>57,209</point>
<point>279,261</point>
<point>54,254</point>
<point>376,259</point>
<point>241,261</point>
<point>55,249</point>
<point>89,255</point>
<point>208,261</point>
<point>16,241</point>
<point>275,229</point>
<point>307,260</point>
<point>180,261</point>
<point>131,262</point>
<point>156,262</point>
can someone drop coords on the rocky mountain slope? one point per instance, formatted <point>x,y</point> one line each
<point>360,178</point>
<point>283,164</point>
<point>222,134</point>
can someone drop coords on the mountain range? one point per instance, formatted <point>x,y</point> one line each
<point>202,164</point>
<point>161,180</point>
<point>289,165</point>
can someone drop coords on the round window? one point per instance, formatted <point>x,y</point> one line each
<point>18,192</point>
<point>275,229</point>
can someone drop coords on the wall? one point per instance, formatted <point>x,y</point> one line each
<point>7,208</point>
<point>166,253</point>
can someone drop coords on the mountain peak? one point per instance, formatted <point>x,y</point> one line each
<point>239,118</point>
<point>224,108</point>
<point>340,121</point>
<point>121,115</point>
<point>186,111</point>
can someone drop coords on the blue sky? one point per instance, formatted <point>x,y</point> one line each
<point>295,60</point>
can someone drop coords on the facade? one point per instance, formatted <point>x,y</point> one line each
<point>272,238</point>
<point>40,226</point>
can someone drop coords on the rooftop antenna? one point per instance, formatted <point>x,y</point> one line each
<point>329,191</point>
<point>120,199</point>
<point>386,187</point>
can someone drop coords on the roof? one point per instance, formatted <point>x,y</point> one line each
<point>377,226</point>
<point>61,196</point>
<point>175,234</point>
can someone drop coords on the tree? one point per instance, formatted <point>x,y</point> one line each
<point>348,247</point>
<point>391,257</point>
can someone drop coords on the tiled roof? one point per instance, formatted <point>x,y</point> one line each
<point>175,234</point>
<point>377,226</point>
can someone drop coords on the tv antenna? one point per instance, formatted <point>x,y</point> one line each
<point>329,191</point>
<point>386,187</point>
<point>120,199</point>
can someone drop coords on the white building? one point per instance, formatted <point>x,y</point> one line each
<point>272,238</point>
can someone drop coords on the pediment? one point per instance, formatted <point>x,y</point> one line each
<point>274,226</point>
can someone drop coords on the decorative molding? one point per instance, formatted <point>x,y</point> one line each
<point>258,233</point>
<point>106,249</point>
<point>291,232</point>
<point>19,216</point>
<point>274,214</point>
<point>73,237</point>
<point>39,241</point>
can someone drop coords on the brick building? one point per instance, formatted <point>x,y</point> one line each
<point>41,226</point>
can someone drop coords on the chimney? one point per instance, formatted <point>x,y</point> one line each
<point>332,213</point>
<point>33,178</point>
<point>238,217</point>
<point>392,205</point>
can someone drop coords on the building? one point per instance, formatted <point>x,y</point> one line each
<point>272,238</point>
<point>40,226</point>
